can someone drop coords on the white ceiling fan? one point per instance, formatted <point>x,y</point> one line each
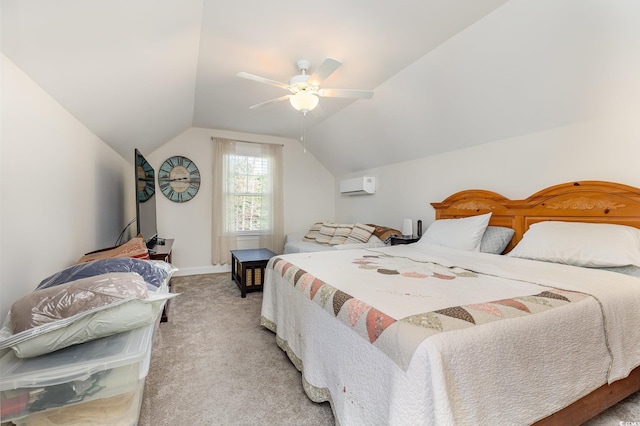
<point>305,88</point>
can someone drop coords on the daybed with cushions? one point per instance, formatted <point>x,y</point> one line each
<point>438,332</point>
<point>325,236</point>
<point>80,342</point>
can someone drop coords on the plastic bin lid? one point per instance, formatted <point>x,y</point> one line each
<point>76,362</point>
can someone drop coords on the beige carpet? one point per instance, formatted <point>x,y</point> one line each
<point>212,364</point>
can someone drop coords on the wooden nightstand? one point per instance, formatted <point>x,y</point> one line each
<point>395,241</point>
<point>162,251</point>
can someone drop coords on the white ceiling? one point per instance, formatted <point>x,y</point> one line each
<point>139,72</point>
<point>447,74</point>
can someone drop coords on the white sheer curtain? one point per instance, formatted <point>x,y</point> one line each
<point>224,229</point>
<point>273,239</point>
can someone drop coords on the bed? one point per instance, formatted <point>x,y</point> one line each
<point>422,334</point>
<point>325,236</point>
<point>293,243</point>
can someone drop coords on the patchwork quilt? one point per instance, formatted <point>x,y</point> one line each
<point>430,335</point>
<point>411,330</point>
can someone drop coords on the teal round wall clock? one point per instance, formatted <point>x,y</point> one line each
<point>179,179</point>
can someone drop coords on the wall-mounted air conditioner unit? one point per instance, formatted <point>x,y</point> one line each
<point>360,185</point>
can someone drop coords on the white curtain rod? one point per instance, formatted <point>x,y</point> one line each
<point>259,143</point>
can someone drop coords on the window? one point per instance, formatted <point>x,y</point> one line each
<point>247,197</point>
<point>248,194</point>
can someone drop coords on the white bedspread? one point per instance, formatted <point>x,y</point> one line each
<point>389,350</point>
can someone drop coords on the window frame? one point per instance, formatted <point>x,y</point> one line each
<point>252,156</point>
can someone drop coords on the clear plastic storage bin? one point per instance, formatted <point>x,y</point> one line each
<point>101,371</point>
<point>119,410</point>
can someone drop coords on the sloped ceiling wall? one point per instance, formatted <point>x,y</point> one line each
<point>447,74</point>
<point>526,67</point>
<point>124,68</point>
<point>139,72</point>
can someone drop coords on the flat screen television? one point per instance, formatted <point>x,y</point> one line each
<point>145,200</point>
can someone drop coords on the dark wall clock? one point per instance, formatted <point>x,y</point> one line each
<point>179,179</point>
<point>146,179</point>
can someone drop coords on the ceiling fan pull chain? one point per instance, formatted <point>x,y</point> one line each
<point>303,138</point>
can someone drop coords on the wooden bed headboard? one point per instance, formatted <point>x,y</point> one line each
<point>584,201</point>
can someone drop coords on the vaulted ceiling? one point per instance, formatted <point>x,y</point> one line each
<point>447,74</point>
<point>139,72</point>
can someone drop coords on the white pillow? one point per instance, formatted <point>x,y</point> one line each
<point>580,244</point>
<point>464,234</point>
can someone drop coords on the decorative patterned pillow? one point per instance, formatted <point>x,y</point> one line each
<point>343,231</point>
<point>135,248</point>
<point>385,233</point>
<point>360,233</point>
<point>327,230</point>
<point>496,239</point>
<point>312,234</point>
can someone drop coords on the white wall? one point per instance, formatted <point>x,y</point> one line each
<point>549,90</point>
<point>64,192</point>
<point>605,149</point>
<point>308,195</point>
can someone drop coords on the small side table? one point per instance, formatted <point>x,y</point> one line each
<point>162,251</point>
<point>397,240</point>
<point>247,268</point>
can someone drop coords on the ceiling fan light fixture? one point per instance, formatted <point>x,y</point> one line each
<point>304,101</point>
<point>305,89</point>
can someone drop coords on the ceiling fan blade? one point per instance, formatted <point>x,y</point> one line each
<point>272,101</point>
<point>262,80</point>
<point>326,68</point>
<point>345,93</point>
